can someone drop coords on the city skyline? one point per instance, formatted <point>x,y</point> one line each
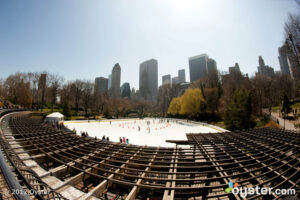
<point>38,36</point>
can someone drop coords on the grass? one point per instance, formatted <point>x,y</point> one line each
<point>293,106</point>
<point>275,108</point>
<point>220,124</point>
<point>74,118</point>
<point>296,105</point>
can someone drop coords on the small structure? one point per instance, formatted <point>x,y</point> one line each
<point>55,118</point>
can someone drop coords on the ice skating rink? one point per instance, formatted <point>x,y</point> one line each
<point>153,132</point>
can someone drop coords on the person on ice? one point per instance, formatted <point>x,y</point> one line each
<point>127,141</point>
<point>124,141</point>
<point>120,140</point>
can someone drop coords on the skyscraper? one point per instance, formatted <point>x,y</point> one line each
<point>125,90</point>
<point>101,85</point>
<point>175,80</point>
<point>149,80</point>
<point>283,60</point>
<point>200,66</point>
<point>235,69</point>
<point>211,65</point>
<point>181,76</point>
<point>264,69</point>
<point>115,81</point>
<point>109,81</point>
<point>166,79</point>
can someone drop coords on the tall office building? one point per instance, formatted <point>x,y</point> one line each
<point>175,80</point>
<point>200,66</point>
<point>125,90</point>
<point>101,85</point>
<point>264,69</point>
<point>149,80</point>
<point>115,81</point>
<point>211,65</point>
<point>109,81</point>
<point>234,69</point>
<point>181,76</point>
<point>283,60</point>
<point>166,79</point>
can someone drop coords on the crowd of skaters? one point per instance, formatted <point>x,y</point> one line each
<point>124,140</point>
<point>165,122</point>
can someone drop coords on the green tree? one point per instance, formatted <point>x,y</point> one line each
<point>238,112</point>
<point>66,109</point>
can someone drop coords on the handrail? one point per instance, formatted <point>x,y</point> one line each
<point>13,184</point>
<point>15,187</point>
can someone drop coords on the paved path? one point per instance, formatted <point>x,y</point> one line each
<point>289,124</point>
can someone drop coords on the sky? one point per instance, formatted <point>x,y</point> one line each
<point>85,39</point>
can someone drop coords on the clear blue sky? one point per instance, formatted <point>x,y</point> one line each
<point>84,39</point>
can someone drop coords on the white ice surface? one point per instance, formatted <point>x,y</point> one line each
<point>128,128</point>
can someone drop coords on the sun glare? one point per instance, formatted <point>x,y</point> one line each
<point>187,6</point>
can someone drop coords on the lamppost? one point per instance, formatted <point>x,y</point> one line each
<point>283,115</point>
<point>295,115</point>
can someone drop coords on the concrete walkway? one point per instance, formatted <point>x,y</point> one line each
<point>289,124</point>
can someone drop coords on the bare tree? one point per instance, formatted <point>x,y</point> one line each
<point>87,89</point>
<point>54,81</point>
<point>77,87</point>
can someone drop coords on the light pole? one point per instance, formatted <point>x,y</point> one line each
<point>283,116</point>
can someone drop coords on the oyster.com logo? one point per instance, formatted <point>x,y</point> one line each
<point>257,190</point>
<point>230,186</point>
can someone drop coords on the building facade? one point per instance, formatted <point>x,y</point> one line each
<point>181,76</point>
<point>175,80</point>
<point>200,66</point>
<point>264,69</point>
<point>109,81</point>
<point>101,85</point>
<point>211,65</point>
<point>166,80</point>
<point>125,90</point>
<point>148,81</point>
<point>235,69</point>
<point>283,60</point>
<point>115,81</point>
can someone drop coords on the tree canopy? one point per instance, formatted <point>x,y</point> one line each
<point>191,103</point>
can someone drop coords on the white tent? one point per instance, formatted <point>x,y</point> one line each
<point>55,117</point>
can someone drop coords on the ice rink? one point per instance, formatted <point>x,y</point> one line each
<point>150,132</point>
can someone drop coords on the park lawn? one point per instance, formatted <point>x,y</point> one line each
<point>275,108</point>
<point>296,105</point>
<point>293,106</point>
